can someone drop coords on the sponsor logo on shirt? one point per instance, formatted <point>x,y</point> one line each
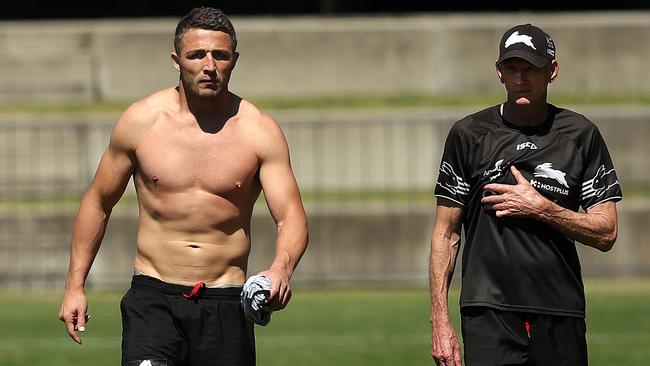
<point>452,182</point>
<point>520,38</point>
<point>602,181</point>
<point>547,187</point>
<point>526,145</point>
<point>546,170</point>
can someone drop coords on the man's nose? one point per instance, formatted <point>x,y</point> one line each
<point>520,77</point>
<point>210,65</point>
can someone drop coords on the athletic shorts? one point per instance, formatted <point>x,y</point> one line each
<point>493,337</point>
<point>161,327</point>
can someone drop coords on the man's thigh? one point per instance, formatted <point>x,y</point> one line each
<point>493,338</point>
<point>149,334</point>
<point>217,331</point>
<point>558,341</point>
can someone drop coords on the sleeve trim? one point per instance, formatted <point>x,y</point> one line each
<point>613,198</point>
<point>451,199</point>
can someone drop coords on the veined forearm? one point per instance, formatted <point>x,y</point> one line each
<point>596,228</point>
<point>444,248</point>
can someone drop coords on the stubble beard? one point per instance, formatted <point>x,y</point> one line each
<point>194,90</point>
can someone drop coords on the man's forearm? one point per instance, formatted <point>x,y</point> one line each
<point>596,228</point>
<point>291,244</point>
<point>87,235</point>
<point>444,248</point>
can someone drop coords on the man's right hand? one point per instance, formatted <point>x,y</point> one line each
<point>74,313</point>
<point>445,348</point>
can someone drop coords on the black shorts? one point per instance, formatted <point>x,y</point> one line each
<point>163,327</point>
<point>493,337</point>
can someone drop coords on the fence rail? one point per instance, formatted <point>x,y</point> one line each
<point>341,160</point>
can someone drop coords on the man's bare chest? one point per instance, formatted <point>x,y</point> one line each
<point>168,161</point>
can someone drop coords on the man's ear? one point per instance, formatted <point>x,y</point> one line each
<point>555,71</point>
<point>499,75</point>
<point>235,57</point>
<point>175,61</point>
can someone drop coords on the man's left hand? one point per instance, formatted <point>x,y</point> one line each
<point>514,200</point>
<point>280,288</point>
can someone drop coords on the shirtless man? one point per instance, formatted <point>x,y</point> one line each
<point>199,156</point>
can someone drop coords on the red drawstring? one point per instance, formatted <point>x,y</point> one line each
<point>527,325</point>
<point>195,291</point>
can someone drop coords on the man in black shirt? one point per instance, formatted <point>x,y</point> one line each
<point>515,176</point>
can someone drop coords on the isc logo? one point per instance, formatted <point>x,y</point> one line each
<point>526,145</point>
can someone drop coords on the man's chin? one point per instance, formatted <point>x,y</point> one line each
<point>522,101</point>
<point>208,93</point>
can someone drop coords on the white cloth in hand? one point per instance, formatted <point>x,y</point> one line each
<point>255,299</point>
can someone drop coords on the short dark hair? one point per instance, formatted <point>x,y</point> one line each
<point>204,18</point>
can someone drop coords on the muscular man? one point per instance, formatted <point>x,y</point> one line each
<point>199,156</point>
<point>515,176</point>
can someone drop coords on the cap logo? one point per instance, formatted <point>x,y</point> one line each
<point>520,38</point>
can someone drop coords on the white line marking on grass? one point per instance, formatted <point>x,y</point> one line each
<point>58,342</point>
<point>335,340</point>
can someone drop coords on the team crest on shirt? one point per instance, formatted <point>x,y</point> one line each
<point>452,182</point>
<point>602,181</point>
<point>495,172</point>
<point>547,171</point>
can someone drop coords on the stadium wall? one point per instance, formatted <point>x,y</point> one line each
<point>45,165</point>
<point>599,53</point>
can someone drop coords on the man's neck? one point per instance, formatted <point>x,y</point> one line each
<point>528,115</point>
<point>210,114</point>
<point>205,107</point>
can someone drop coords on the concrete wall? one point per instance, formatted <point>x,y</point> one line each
<point>335,150</point>
<point>599,53</point>
<point>360,245</point>
<point>353,150</point>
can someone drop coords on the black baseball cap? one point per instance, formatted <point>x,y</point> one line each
<point>528,42</point>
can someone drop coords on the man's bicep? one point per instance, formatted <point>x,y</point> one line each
<point>112,176</point>
<point>115,167</point>
<point>279,185</point>
<point>118,161</point>
<point>449,216</point>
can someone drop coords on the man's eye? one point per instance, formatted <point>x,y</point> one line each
<point>221,55</point>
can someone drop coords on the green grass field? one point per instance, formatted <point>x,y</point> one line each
<point>321,327</point>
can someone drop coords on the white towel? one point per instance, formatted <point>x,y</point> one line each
<point>255,299</point>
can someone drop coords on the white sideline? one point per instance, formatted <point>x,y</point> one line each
<point>319,340</point>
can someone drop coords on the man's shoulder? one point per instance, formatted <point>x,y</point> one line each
<point>572,123</point>
<point>566,115</point>
<point>250,116</point>
<point>147,110</point>
<point>479,122</point>
<point>259,129</point>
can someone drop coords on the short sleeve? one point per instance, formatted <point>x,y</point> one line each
<point>452,182</point>
<point>600,182</point>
